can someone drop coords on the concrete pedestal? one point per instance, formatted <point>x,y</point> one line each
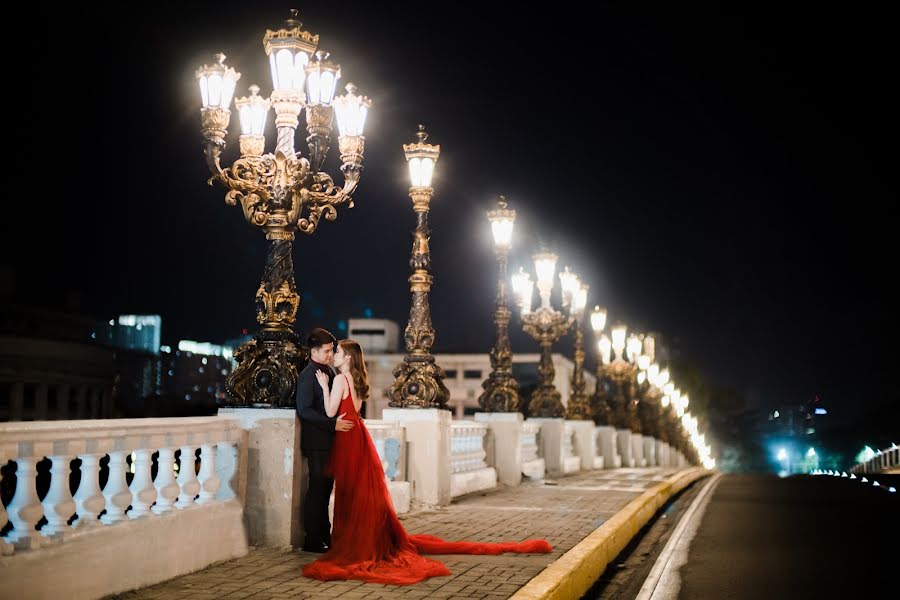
<point>650,451</point>
<point>662,454</point>
<point>585,447</point>
<point>624,447</point>
<point>276,475</point>
<point>637,449</point>
<point>428,453</point>
<point>552,432</point>
<point>606,446</point>
<point>504,445</point>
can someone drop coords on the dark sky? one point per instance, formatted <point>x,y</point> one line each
<point>721,177</point>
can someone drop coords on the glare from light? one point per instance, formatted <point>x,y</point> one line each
<point>776,414</point>
<point>811,452</point>
<point>782,454</point>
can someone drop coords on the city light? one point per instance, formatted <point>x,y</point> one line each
<point>866,455</point>
<point>821,411</point>
<point>810,453</point>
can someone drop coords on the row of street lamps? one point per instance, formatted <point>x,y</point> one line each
<point>632,390</point>
<point>282,191</point>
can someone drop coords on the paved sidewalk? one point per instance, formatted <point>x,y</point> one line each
<point>563,511</point>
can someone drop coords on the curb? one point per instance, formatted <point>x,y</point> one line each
<point>573,574</point>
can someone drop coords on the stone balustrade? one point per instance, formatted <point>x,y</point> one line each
<point>884,461</point>
<point>155,508</point>
<point>389,438</point>
<point>533,465</point>
<point>468,470</point>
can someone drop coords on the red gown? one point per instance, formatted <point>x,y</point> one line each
<point>367,540</point>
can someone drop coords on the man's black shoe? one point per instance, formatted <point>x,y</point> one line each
<point>317,548</point>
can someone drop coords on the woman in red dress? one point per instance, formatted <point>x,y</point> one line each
<point>367,540</point>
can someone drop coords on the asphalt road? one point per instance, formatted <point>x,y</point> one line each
<point>762,537</point>
<point>799,537</point>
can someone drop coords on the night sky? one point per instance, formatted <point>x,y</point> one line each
<point>721,178</point>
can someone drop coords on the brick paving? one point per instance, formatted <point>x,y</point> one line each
<point>563,511</point>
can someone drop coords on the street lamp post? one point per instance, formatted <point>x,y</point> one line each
<point>648,393</point>
<point>579,407</point>
<point>601,401</point>
<point>418,381</point>
<point>501,392</point>
<point>545,325</point>
<point>621,372</point>
<point>281,192</point>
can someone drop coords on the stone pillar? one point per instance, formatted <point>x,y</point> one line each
<point>623,445</point>
<point>585,442</point>
<point>62,401</point>
<point>552,432</point>
<point>40,402</point>
<point>662,454</point>
<point>94,402</point>
<point>637,450</point>
<point>276,475</point>
<point>81,412</point>
<point>504,445</point>
<point>606,442</point>
<point>428,453</point>
<point>650,451</point>
<point>17,401</point>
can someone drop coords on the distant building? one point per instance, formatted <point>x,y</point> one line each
<point>132,332</point>
<point>465,372</point>
<point>197,371</point>
<point>51,368</point>
<point>376,336</point>
<point>184,382</point>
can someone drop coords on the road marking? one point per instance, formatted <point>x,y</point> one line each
<point>664,582</point>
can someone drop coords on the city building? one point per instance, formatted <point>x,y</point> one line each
<point>132,332</point>
<point>51,368</point>
<point>465,372</point>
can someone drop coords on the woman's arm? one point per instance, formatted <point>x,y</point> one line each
<point>332,398</point>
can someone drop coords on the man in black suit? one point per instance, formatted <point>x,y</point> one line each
<point>316,434</point>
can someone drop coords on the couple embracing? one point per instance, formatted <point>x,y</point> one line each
<point>367,541</point>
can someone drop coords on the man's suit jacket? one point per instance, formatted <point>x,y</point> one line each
<point>316,428</point>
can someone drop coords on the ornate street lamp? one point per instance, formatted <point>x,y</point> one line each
<point>579,407</point>
<point>280,192</point>
<point>600,400</point>
<point>545,325</point>
<point>648,393</point>
<point>501,392</point>
<point>418,381</point>
<point>622,373</point>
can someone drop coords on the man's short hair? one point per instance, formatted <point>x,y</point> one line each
<point>318,337</point>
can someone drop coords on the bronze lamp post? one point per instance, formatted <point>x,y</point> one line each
<point>545,325</point>
<point>579,407</point>
<point>501,392</point>
<point>281,192</point>
<point>418,380</point>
